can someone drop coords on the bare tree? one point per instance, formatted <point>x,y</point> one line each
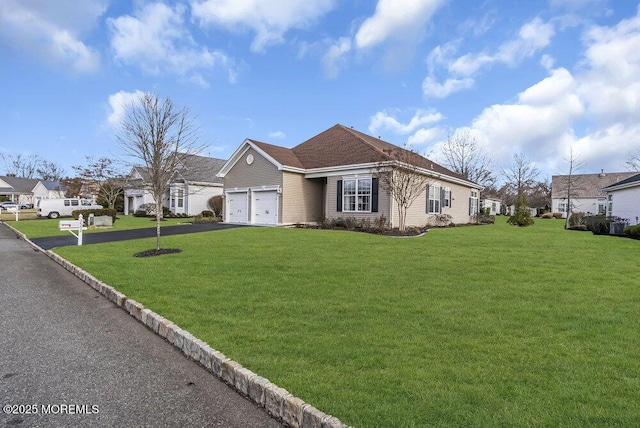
<point>104,176</point>
<point>634,161</point>
<point>50,171</point>
<point>574,164</point>
<point>72,187</point>
<point>403,180</point>
<point>520,176</point>
<point>462,155</point>
<point>159,135</point>
<point>21,166</point>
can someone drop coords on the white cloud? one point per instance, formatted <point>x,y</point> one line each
<point>432,89</point>
<point>119,103</point>
<point>277,135</point>
<point>334,58</point>
<point>610,84</point>
<point>425,136</point>
<point>394,19</point>
<point>269,20</point>
<point>51,31</point>
<point>532,37</point>
<point>594,109</point>
<point>156,40</point>
<point>540,123</point>
<point>382,121</point>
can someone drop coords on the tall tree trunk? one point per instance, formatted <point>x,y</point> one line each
<point>158,220</point>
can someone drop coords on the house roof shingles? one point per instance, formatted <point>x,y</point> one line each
<point>586,185</point>
<point>19,184</point>
<point>633,179</point>
<point>340,145</point>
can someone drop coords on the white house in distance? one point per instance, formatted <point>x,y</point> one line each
<point>587,194</point>
<point>492,204</point>
<point>194,183</point>
<point>29,190</point>
<point>623,199</point>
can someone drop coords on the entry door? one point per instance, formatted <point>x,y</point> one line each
<point>237,207</point>
<point>265,207</point>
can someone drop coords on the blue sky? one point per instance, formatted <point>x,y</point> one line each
<point>531,77</point>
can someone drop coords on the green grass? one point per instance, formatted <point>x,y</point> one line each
<point>474,326</point>
<point>39,228</point>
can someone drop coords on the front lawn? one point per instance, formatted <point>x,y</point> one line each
<point>40,228</point>
<point>472,326</point>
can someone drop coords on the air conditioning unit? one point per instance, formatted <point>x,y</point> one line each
<point>617,227</point>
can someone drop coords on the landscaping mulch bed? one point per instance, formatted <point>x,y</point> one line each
<point>161,251</point>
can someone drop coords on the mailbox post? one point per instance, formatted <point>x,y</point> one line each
<point>73,225</point>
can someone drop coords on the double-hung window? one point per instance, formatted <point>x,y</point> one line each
<point>433,200</point>
<point>446,201</point>
<point>356,194</point>
<point>473,203</point>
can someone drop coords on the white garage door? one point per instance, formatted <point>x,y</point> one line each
<point>237,207</point>
<point>265,207</point>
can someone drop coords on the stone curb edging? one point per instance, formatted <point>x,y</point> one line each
<point>277,402</point>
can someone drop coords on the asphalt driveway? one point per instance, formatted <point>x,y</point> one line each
<point>70,357</point>
<point>124,235</point>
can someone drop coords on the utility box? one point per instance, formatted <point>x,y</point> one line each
<point>103,221</point>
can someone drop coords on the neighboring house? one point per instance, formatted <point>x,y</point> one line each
<point>29,190</point>
<point>623,199</point>
<point>333,175</point>
<point>47,190</point>
<point>492,204</point>
<point>194,183</point>
<point>587,195</point>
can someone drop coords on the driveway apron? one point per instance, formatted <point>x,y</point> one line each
<point>69,357</point>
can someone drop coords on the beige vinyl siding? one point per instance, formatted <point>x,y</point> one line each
<point>459,209</point>
<point>301,198</point>
<point>332,199</point>
<point>260,173</point>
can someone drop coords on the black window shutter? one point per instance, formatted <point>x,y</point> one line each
<point>427,210</point>
<point>374,195</point>
<point>339,201</point>
<point>450,199</point>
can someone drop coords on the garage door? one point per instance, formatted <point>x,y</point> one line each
<point>237,207</point>
<point>265,207</point>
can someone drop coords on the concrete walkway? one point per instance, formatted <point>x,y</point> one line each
<point>69,352</point>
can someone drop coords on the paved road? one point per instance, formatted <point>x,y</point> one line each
<point>62,343</point>
<point>123,235</point>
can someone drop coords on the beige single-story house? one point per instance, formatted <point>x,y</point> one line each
<point>587,194</point>
<point>332,175</point>
<point>194,183</point>
<point>623,199</point>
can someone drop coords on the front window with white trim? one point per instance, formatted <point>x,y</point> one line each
<point>473,203</point>
<point>434,200</point>
<point>356,194</point>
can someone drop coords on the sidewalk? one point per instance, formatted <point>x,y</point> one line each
<point>70,357</point>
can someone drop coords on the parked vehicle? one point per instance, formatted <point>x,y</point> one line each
<point>54,208</point>
<point>7,204</point>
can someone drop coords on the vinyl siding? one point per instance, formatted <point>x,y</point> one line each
<point>626,204</point>
<point>260,173</point>
<point>331,209</point>
<point>301,199</point>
